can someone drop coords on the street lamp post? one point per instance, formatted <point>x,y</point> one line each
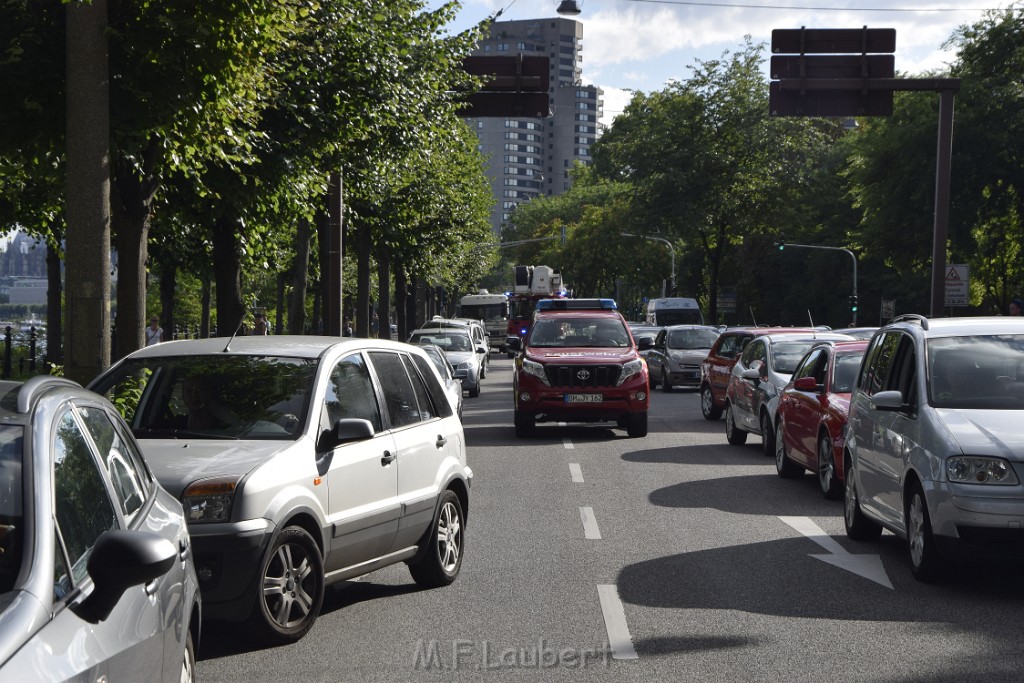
<point>853,299</point>
<point>671,250</point>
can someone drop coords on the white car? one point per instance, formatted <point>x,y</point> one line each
<point>300,461</point>
<point>462,352</point>
<point>452,386</point>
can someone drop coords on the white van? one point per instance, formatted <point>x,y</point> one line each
<point>673,311</point>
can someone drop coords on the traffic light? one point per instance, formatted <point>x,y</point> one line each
<point>853,303</point>
<point>781,245</point>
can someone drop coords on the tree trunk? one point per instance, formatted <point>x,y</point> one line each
<point>300,268</point>
<point>54,312</point>
<point>168,285</point>
<point>400,298</point>
<point>383,293</point>
<point>87,250</point>
<point>410,304</point>
<point>204,320</point>
<point>227,273</point>
<point>362,328</point>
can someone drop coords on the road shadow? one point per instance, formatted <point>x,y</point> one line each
<point>226,639</point>
<point>701,454</point>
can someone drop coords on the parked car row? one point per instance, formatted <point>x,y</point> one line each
<point>464,345</point>
<point>916,428</point>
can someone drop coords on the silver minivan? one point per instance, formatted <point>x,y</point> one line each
<point>934,447</point>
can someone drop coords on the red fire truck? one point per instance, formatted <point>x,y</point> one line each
<point>532,283</point>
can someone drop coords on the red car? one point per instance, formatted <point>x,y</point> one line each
<point>716,368</point>
<point>811,417</point>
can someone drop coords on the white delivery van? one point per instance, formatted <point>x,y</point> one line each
<point>673,311</point>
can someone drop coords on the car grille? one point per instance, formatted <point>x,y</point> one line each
<point>583,375</point>
<point>1008,541</point>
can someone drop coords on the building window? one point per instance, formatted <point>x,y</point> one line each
<point>502,47</point>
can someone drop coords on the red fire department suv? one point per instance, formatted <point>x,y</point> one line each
<point>580,363</point>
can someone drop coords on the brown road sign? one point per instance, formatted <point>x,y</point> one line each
<point>513,73</point>
<point>526,104</point>
<point>828,102</point>
<point>833,40</point>
<point>832,66</point>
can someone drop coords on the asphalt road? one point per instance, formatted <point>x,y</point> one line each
<point>591,556</point>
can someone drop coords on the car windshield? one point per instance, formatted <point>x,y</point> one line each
<point>223,396</point>
<point>450,339</point>
<point>691,339</point>
<point>11,507</point>
<point>576,332</point>
<point>786,355</point>
<point>977,372</point>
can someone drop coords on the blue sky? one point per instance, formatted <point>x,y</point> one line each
<point>643,44</point>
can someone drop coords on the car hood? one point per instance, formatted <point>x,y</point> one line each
<point>456,357</point>
<point>180,462</point>
<point>986,432</point>
<point>582,355</point>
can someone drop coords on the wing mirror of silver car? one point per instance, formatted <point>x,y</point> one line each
<point>887,400</point>
<point>121,559</point>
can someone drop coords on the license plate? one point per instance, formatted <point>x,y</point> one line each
<point>584,398</point>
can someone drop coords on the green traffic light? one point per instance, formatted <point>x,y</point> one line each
<point>781,247</point>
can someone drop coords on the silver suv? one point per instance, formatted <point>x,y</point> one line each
<point>934,449</point>
<point>299,461</point>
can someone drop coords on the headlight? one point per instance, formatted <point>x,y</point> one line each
<point>633,367</point>
<point>209,500</point>
<point>536,369</point>
<point>972,469</point>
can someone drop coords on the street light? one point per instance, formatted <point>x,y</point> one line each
<point>853,297</point>
<point>671,250</point>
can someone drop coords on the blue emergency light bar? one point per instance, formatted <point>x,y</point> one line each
<point>576,305</point>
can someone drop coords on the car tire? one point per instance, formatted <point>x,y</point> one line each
<point>767,435</point>
<point>786,468</point>
<point>924,556</point>
<point>707,404</point>
<point>188,663</point>
<point>858,526</point>
<point>666,385</point>
<point>474,390</point>
<point>735,435</point>
<point>637,425</point>
<point>828,479</point>
<point>445,541</point>
<point>525,424</point>
<point>290,588</point>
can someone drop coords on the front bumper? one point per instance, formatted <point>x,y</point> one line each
<point>227,559</point>
<point>976,525</point>
<point>554,404</point>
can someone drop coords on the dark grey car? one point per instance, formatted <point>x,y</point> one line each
<point>96,574</point>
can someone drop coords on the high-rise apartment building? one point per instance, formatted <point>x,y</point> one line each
<point>528,156</point>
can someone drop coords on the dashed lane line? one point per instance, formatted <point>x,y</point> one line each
<point>576,473</point>
<point>619,639</point>
<point>590,530</point>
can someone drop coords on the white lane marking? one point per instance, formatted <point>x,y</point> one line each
<point>567,442</point>
<point>590,529</point>
<point>619,639</point>
<point>868,566</point>
<point>576,473</point>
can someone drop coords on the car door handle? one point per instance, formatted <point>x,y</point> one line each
<point>441,441</point>
<point>183,550</point>
<point>387,458</point>
<point>151,587</point>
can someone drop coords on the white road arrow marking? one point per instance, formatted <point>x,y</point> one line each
<point>868,566</point>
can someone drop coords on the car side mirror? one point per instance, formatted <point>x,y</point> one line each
<point>752,374</point>
<point>806,384</point>
<point>119,560</point>
<point>514,343</point>
<point>645,343</point>
<point>887,401</point>
<point>481,349</point>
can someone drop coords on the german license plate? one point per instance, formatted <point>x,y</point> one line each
<point>584,398</point>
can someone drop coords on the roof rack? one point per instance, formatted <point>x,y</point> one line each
<point>911,318</point>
